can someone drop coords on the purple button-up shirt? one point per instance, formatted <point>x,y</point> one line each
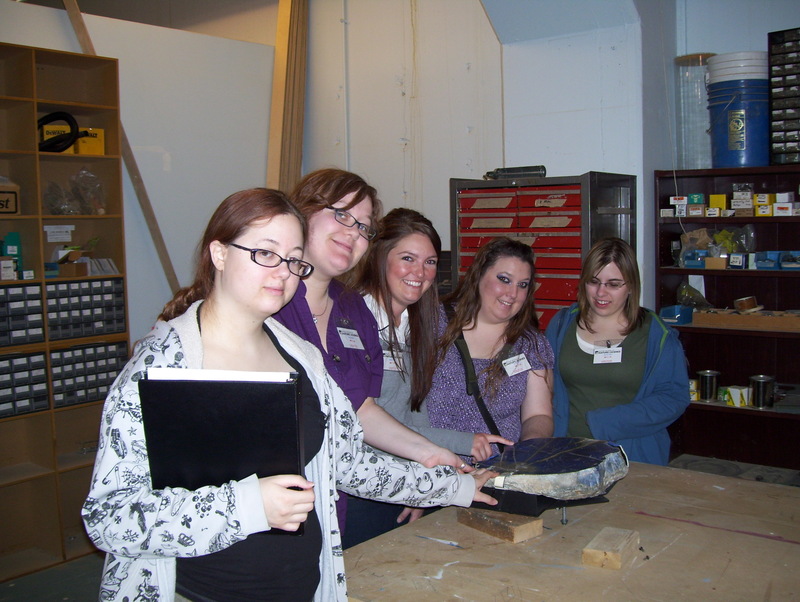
<point>358,372</point>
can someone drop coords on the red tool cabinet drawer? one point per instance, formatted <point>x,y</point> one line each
<point>498,223</point>
<point>571,239</point>
<point>552,197</point>
<point>555,260</point>
<point>556,284</point>
<point>487,202</point>
<point>540,220</point>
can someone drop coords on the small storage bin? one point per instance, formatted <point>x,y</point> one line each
<point>768,260</point>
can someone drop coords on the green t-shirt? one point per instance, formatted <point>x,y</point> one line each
<point>592,386</point>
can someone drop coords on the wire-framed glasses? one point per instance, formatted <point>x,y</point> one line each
<point>613,285</point>
<point>270,259</point>
<point>344,218</point>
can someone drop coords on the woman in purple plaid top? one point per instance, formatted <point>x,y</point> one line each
<point>493,308</point>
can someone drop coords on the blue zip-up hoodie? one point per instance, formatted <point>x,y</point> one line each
<point>640,426</point>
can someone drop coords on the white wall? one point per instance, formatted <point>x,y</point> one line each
<point>731,25</point>
<point>573,103</point>
<point>408,94</point>
<point>195,109</point>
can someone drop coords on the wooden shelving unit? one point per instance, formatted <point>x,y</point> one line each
<point>760,436</point>
<point>62,340</point>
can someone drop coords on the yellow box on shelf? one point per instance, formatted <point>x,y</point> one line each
<point>94,143</point>
<point>719,201</point>
<point>51,131</point>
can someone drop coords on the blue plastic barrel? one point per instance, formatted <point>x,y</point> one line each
<point>739,117</point>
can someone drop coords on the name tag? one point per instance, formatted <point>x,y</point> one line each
<point>350,338</point>
<point>515,365</point>
<point>389,363</point>
<point>607,355</point>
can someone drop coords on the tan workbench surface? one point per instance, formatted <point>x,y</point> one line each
<point>702,537</point>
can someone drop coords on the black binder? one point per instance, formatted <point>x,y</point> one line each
<point>210,432</point>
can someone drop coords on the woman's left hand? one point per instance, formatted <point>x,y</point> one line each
<point>481,476</point>
<point>411,514</point>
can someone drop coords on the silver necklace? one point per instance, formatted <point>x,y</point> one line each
<point>323,312</point>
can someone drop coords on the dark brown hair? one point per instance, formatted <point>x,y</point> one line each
<point>234,215</point>
<point>466,302</point>
<point>324,187</point>
<point>422,315</point>
<point>620,253</point>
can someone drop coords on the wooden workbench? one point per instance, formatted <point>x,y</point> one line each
<point>702,537</point>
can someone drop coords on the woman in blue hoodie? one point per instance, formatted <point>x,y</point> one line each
<point>620,372</point>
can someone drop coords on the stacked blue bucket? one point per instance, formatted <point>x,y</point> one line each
<point>738,104</point>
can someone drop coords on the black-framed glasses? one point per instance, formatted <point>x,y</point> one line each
<point>344,218</point>
<point>614,285</point>
<point>270,259</point>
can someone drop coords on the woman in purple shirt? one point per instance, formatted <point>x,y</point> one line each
<point>493,308</point>
<point>341,208</point>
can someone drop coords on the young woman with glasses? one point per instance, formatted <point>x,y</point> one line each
<point>218,542</point>
<point>620,372</point>
<point>342,211</point>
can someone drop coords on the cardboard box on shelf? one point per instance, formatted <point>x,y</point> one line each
<point>74,264</point>
<point>8,268</point>
<point>737,396</point>
<point>716,263</point>
<point>737,261</point>
<point>9,197</point>
<point>785,209</point>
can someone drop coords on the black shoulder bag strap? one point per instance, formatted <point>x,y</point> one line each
<point>472,382</point>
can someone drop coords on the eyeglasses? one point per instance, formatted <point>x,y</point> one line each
<point>344,218</point>
<point>613,285</point>
<point>270,259</point>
